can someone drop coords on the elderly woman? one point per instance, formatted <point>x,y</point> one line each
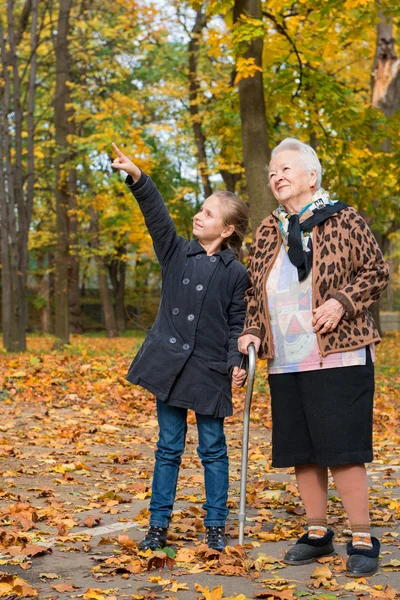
<point>315,270</point>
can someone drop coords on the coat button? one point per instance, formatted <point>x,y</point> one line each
<point>198,256</point>
<point>190,317</point>
<point>175,311</point>
<point>185,281</point>
<point>213,258</point>
<point>186,346</point>
<point>172,340</point>
<point>199,287</point>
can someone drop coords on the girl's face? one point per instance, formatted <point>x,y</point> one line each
<point>208,224</point>
<point>288,178</point>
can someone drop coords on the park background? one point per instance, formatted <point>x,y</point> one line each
<point>197,93</point>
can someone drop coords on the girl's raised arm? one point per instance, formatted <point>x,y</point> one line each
<point>156,215</point>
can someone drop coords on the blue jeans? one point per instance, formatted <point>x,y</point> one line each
<point>212,451</point>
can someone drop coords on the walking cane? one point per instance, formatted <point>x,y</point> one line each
<point>245,441</point>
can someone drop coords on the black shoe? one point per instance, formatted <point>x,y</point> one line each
<point>156,537</point>
<point>307,550</point>
<point>215,538</point>
<point>362,562</point>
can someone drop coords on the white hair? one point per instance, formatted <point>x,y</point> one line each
<point>308,154</point>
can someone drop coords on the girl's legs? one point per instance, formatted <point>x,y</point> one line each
<point>170,447</point>
<point>212,451</point>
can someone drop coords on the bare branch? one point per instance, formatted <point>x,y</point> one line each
<point>281,28</point>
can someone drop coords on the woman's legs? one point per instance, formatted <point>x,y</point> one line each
<point>312,482</point>
<point>352,484</point>
<point>170,447</point>
<point>214,457</point>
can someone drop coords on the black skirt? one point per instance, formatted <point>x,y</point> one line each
<point>323,417</point>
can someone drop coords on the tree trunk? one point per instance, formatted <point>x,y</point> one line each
<point>230,179</point>
<point>109,315</point>
<point>74,296</point>
<point>16,205</point>
<point>62,195</point>
<point>117,270</point>
<point>256,151</point>
<point>194,88</point>
<point>52,286</point>
<point>390,292</point>
<point>385,80</point>
<point>44,292</point>
<point>385,95</point>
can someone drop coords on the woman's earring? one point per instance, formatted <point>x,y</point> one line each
<point>312,187</point>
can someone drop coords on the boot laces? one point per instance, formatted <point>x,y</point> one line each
<point>154,534</point>
<point>215,535</point>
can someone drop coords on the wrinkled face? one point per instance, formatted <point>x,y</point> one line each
<point>289,178</point>
<point>208,224</point>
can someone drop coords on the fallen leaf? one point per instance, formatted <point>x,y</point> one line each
<point>65,587</point>
<point>323,571</point>
<point>45,576</point>
<point>90,522</point>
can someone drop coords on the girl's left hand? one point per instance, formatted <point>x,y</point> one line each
<point>238,377</point>
<point>327,316</point>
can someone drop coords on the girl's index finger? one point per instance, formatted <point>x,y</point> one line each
<point>118,151</point>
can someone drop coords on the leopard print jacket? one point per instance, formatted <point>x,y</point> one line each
<point>347,265</point>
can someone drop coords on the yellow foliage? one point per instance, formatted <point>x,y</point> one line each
<point>246,67</point>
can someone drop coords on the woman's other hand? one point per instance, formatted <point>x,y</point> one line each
<point>327,316</point>
<point>245,341</point>
<point>123,163</point>
<point>238,377</point>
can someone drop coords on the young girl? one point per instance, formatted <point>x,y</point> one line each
<point>190,357</point>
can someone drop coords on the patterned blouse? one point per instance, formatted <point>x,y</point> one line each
<point>295,343</point>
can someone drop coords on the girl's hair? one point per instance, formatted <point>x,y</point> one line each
<point>308,154</point>
<point>234,212</point>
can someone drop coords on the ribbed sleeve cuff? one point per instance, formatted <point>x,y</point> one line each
<point>136,186</point>
<point>251,330</point>
<point>347,304</point>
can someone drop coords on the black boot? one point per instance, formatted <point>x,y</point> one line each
<point>307,550</point>
<point>215,538</point>
<point>156,537</point>
<point>362,561</point>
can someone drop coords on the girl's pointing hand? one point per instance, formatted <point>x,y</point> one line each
<point>123,163</point>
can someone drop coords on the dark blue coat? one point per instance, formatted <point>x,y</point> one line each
<point>187,357</point>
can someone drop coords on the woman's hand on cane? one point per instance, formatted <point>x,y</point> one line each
<point>245,341</point>
<point>123,163</point>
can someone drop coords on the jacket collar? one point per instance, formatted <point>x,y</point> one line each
<point>196,248</point>
<point>270,221</point>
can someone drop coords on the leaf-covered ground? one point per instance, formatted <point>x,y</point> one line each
<point>76,457</point>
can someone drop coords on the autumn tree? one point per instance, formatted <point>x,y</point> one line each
<point>62,122</point>
<point>385,96</point>
<point>18,52</point>
<point>249,38</point>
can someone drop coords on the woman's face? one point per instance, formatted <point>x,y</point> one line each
<point>289,180</point>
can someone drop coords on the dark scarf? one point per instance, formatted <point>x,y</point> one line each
<point>296,228</point>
